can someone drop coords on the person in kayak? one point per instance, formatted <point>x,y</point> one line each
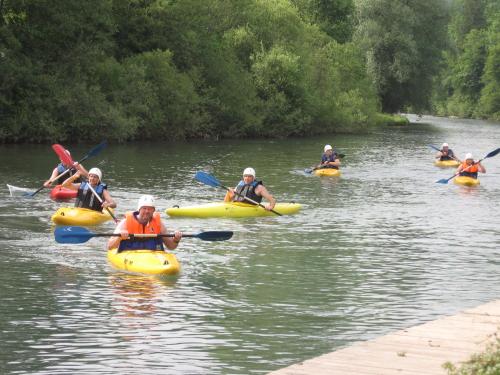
<point>251,189</point>
<point>61,168</point>
<point>143,221</point>
<point>470,168</point>
<point>85,198</point>
<point>446,153</point>
<point>329,159</point>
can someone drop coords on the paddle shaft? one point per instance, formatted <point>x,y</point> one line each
<point>250,200</point>
<point>100,200</point>
<point>50,182</point>
<point>144,235</point>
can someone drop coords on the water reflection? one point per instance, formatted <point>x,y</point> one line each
<point>136,296</point>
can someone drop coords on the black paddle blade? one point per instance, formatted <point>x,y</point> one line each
<point>309,170</point>
<point>207,179</point>
<point>212,236</point>
<point>492,153</point>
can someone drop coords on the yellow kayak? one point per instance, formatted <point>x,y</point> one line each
<point>80,216</point>
<point>466,181</point>
<point>151,262</point>
<point>446,163</point>
<point>327,172</point>
<point>231,209</point>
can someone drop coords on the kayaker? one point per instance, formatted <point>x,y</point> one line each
<point>252,189</point>
<point>85,198</point>
<point>329,159</point>
<point>470,168</point>
<point>446,153</point>
<point>61,168</point>
<point>143,221</point>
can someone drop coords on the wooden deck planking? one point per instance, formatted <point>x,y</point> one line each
<point>421,349</point>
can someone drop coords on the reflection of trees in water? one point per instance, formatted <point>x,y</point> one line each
<point>136,295</point>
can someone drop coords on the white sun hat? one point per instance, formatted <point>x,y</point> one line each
<point>327,147</point>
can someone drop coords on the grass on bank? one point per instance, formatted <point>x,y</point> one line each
<point>392,120</point>
<point>486,363</point>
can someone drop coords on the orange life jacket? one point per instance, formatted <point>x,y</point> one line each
<point>469,168</point>
<point>134,227</point>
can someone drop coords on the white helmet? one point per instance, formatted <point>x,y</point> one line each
<point>249,171</point>
<point>146,200</point>
<point>327,147</point>
<point>97,172</point>
<point>468,156</point>
<point>445,145</point>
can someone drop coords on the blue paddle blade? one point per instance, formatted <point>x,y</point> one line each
<point>442,181</point>
<point>207,179</point>
<point>97,149</point>
<point>308,170</point>
<point>72,234</point>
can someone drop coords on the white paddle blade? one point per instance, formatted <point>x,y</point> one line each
<point>15,191</point>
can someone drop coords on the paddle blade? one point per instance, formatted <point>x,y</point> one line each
<point>214,235</point>
<point>308,170</point>
<point>72,234</point>
<point>443,181</point>
<point>434,147</point>
<point>15,191</point>
<point>492,153</point>
<point>97,149</point>
<point>207,179</point>
<point>63,154</point>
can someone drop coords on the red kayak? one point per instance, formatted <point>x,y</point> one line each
<point>60,193</point>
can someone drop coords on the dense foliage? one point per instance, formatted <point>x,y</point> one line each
<point>469,83</point>
<point>403,41</point>
<point>150,69</point>
<point>143,69</point>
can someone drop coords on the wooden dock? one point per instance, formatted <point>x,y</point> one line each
<point>422,349</point>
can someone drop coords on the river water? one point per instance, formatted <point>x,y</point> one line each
<point>381,248</point>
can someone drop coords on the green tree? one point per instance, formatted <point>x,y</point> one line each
<point>403,42</point>
<point>335,18</point>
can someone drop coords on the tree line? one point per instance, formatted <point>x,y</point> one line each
<point>177,69</point>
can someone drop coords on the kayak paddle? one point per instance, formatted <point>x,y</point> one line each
<point>313,168</point>
<point>97,149</point>
<point>210,180</point>
<point>66,159</point>
<point>489,155</point>
<point>75,235</point>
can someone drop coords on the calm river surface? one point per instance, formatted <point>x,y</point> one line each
<point>382,248</point>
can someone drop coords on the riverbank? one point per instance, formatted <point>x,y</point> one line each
<point>422,349</point>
